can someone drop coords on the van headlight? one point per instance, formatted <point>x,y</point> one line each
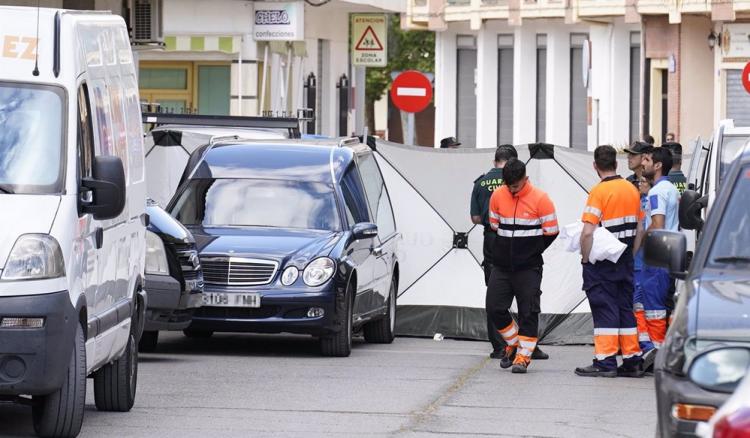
<point>319,271</point>
<point>156,255</point>
<point>34,257</point>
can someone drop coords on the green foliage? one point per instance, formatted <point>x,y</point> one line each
<point>407,50</point>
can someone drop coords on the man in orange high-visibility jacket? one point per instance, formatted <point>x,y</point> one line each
<point>614,204</point>
<point>526,224</point>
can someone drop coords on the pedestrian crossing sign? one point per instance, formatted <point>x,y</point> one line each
<point>369,39</point>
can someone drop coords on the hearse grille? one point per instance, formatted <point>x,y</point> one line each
<point>188,257</point>
<point>237,271</point>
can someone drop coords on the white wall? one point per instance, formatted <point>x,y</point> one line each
<point>217,17</point>
<point>610,79</point>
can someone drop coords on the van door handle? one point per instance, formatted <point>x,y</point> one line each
<point>99,237</point>
<point>378,252</point>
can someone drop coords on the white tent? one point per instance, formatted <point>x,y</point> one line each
<point>442,287</point>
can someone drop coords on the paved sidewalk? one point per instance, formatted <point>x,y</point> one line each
<point>269,386</point>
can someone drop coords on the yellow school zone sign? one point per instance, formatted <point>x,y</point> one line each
<point>369,37</point>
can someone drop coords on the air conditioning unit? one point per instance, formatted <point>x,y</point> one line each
<point>146,21</point>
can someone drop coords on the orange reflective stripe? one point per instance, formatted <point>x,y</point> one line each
<point>606,345</point>
<point>657,330</point>
<point>526,346</point>
<point>640,319</point>
<point>629,346</point>
<point>510,333</point>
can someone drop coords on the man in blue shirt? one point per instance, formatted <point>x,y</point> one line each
<point>661,209</point>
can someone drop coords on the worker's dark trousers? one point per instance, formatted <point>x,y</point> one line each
<point>498,344</point>
<point>524,286</point>
<point>609,288</point>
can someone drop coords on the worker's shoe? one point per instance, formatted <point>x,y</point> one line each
<point>648,359</point>
<point>594,371</point>
<point>539,354</point>
<point>510,356</point>
<point>519,368</point>
<point>622,371</point>
<point>497,354</point>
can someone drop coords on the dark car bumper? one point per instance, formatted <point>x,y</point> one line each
<point>280,312</point>
<point>169,306</point>
<point>671,389</point>
<point>35,361</point>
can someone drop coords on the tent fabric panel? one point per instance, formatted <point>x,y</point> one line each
<point>457,280</point>
<point>425,236</point>
<point>471,323</point>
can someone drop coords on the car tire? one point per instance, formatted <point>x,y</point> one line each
<point>340,343</point>
<point>115,383</point>
<point>60,414</point>
<point>149,341</point>
<point>197,334</point>
<point>382,330</point>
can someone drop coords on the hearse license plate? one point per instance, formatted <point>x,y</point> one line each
<point>220,299</point>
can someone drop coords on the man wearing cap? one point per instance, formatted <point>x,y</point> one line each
<point>484,187</point>
<point>635,160</point>
<point>675,176</point>
<point>449,143</point>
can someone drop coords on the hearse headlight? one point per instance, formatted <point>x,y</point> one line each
<point>289,276</point>
<point>156,255</point>
<point>34,257</point>
<point>319,271</point>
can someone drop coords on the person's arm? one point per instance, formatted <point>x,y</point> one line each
<point>639,235</point>
<point>474,209</point>
<point>658,211</point>
<point>550,227</point>
<point>587,241</point>
<point>592,216</point>
<point>494,217</point>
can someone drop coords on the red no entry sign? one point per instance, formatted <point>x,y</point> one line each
<point>746,77</point>
<point>411,91</point>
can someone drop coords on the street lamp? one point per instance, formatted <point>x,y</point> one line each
<point>712,40</point>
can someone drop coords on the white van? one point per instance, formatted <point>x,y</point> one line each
<point>73,197</point>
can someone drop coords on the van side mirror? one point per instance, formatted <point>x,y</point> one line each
<point>107,188</point>
<point>365,230</point>
<point>666,249</point>
<point>691,206</point>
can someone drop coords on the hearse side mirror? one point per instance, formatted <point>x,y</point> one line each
<point>667,249</point>
<point>106,187</point>
<point>691,206</point>
<point>365,230</point>
<point>721,369</point>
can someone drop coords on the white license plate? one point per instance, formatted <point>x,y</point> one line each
<point>221,299</point>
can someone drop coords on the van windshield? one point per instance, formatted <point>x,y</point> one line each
<point>31,139</point>
<point>730,146</point>
<point>731,245</point>
<point>259,203</point>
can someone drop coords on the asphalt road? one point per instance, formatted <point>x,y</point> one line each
<point>270,386</point>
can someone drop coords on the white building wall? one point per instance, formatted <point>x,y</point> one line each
<point>486,87</point>
<point>445,83</point>
<point>524,79</point>
<point>610,80</point>
<point>198,17</point>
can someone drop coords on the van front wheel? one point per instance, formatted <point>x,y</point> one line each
<point>60,414</point>
<point>115,383</point>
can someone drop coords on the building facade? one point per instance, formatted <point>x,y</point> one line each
<point>581,73</point>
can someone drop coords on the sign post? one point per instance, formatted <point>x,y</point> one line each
<point>411,92</point>
<point>746,77</point>
<point>369,36</point>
